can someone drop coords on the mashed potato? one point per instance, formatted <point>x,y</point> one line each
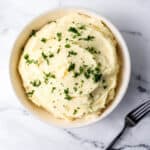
<point>69,67</point>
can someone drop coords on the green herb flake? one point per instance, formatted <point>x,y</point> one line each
<point>82,27</point>
<point>51,21</point>
<point>71,53</point>
<point>75,111</point>
<point>43,40</point>
<point>92,50</point>
<point>33,33</point>
<point>71,67</point>
<point>58,50</point>
<point>67,96</point>
<point>67,46</point>
<point>28,60</point>
<point>51,55</point>
<point>76,83</point>
<point>59,36</point>
<point>53,89</point>
<point>74,30</point>
<point>75,89</point>
<point>36,83</point>
<point>45,57</point>
<point>47,76</point>
<point>81,92</point>
<point>97,77</point>
<point>105,86</point>
<point>30,94</point>
<point>91,95</point>
<point>66,91</point>
<point>88,38</point>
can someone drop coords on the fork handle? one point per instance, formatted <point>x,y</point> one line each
<point>116,138</point>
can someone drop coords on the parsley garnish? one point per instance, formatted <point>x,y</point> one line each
<point>33,33</point>
<point>67,46</point>
<point>82,27</point>
<point>71,67</point>
<point>76,74</point>
<point>71,53</point>
<point>91,95</point>
<point>47,76</point>
<point>88,38</point>
<point>105,86</point>
<point>51,55</point>
<point>53,89</point>
<point>67,96</point>
<point>75,111</point>
<point>29,94</point>
<point>59,36</point>
<point>92,50</point>
<point>75,89</point>
<point>58,50</point>
<point>45,57</point>
<point>74,30</point>
<point>28,60</point>
<point>43,40</point>
<point>36,83</point>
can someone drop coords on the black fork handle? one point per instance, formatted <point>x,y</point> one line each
<point>116,138</point>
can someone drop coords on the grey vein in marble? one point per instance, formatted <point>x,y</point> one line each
<point>94,143</point>
<point>134,33</point>
<point>4,109</point>
<point>134,147</point>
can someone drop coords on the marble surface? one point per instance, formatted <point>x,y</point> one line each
<point>20,130</point>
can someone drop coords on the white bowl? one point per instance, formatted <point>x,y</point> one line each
<point>41,113</point>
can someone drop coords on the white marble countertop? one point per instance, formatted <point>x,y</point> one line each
<point>19,130</point>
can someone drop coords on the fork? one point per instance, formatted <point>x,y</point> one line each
<point>132,119</point>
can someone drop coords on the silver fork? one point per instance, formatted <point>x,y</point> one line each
<point>132,119</point>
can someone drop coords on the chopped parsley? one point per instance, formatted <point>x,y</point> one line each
<point>89,72</point>
<point>58,50</point>
<point>51,55</point>
<point>71,53</point>
<point>33,33</point>
<point>29,60</point>
<point>75,111</point>
<point>92,50</point>
<point>45,57</point>
<point>81,92</point>
<point>67,96</point>
<point>88,38</point>
<point>51,21</point>
<point>43,40</point>
<point>97,77</point>
<point>71,67</point>
<point>75,89</point>
<point>74,30</point>
<point>59,36</point>
<point>82,27</point>
<point>91,95</point>
<point>105,86</point>
<point>29,94</point>
<point>47,76</point>
<point>66,91</point>
<point>67,46</point>
<point>35,83</point>
<point>53,89</point>
<point>76,74</point>
<point>96,74</point>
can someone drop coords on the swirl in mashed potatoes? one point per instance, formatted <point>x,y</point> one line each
<point>70,67</point>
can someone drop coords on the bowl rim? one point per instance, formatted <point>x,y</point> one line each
<point>124,49</point>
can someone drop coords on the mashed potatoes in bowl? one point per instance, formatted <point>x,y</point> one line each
<point>69,67</point>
